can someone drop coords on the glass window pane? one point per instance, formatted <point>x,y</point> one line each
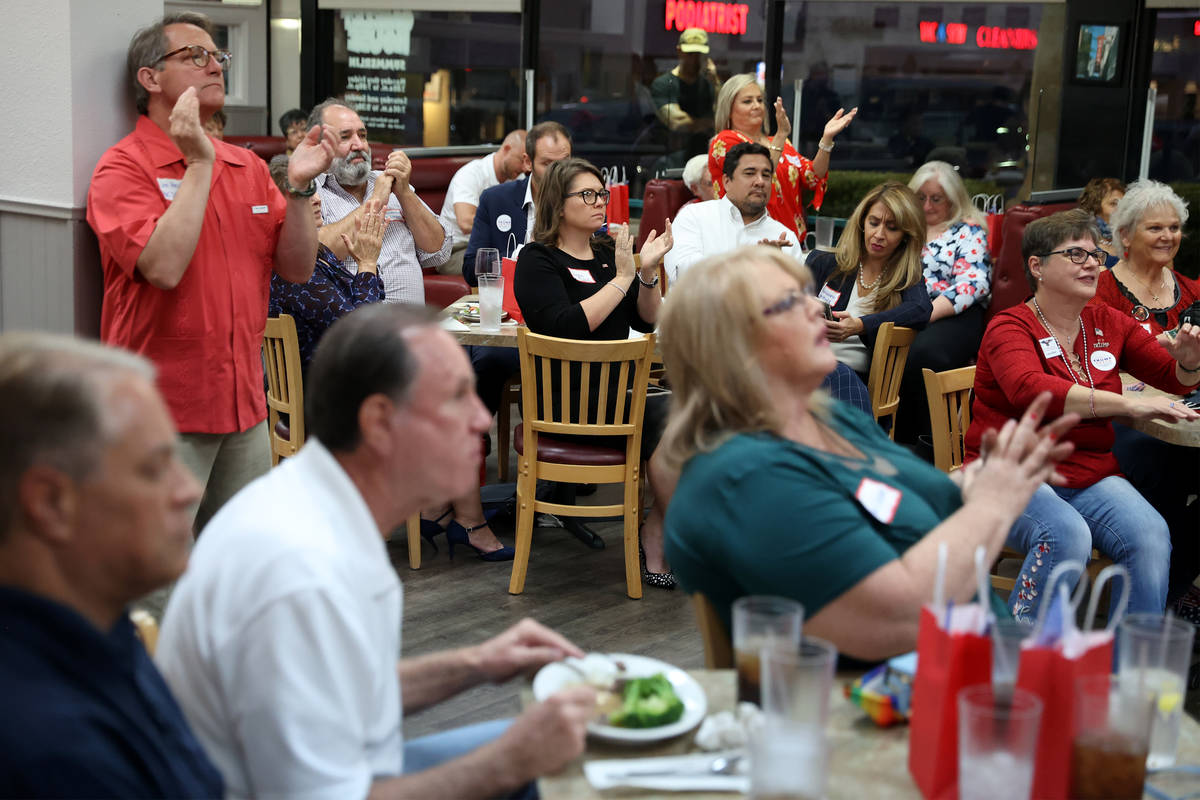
<point>1175,70</point>
<point>430,78</point>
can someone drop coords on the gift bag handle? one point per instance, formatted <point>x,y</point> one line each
<point>939,580</point>
<point>1105,575</point>
<point>1048,592</point>
<point>510,246</point>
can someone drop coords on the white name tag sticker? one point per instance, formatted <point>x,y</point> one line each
<point>1102,359</point>
<point>879,499</point>
<point>828,296</point>
<point>581,275</point>
<point>258,209</point>
<point>168,187</point>
<point>1050,348</point>
<point>504,223</point>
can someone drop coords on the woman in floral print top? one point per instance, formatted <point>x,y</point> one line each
<point>958,276</point>
<point>740,116</point>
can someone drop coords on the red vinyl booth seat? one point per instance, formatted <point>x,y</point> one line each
<point>1009,286</point>
<point>663,199</point>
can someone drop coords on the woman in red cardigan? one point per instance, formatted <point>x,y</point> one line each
<point>740,116</point>
<point>1057,342</point>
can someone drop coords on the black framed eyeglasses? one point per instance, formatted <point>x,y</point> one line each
<point>1078,255</point>
<point>200,55</point>
<point>786,304</point>
<point>591,196</point>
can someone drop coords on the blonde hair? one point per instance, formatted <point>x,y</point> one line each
<point>961,207</point>
<point>709,326</point>
<point>724,108</point>
<point>904,267</point>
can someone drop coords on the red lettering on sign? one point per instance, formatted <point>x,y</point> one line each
<point>956,32</point>
<point>712,17</point>
<point>928,31</point>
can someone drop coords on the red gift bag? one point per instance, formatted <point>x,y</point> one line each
<point>618,203</point>
<point>992,208</point>
<point>508,268</point>
<point>946,663</point>
<point>1051,669</point>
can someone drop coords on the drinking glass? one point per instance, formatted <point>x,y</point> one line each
<point>1155,651</point>
<point>997,740</point>
<point>491,299</point>
<point>761,621</point>
<point>487,261</point>
<point>1112,736</point>
<point>824,231</point>
<point>789,754</point>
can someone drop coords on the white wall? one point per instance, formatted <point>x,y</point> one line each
<point>285,59</point>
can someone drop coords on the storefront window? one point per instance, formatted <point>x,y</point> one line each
<point>1175,71</point>
<point>430,78</point>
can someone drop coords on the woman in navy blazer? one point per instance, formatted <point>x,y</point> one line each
<point>875,274</point>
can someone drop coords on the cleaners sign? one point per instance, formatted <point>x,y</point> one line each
<point>712,17</point>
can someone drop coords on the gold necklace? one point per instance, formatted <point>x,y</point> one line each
<point>1161,284</point>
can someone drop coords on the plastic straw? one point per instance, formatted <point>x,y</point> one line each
<point>1168,618</point>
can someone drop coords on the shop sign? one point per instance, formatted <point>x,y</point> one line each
<point>712,17</point>
<point>377,79</point>
<point>986,36</point>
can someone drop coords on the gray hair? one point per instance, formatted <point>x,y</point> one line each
<point>1140,197</point>
<point>725,98</point>
<point>695,172</point>
<point>149,45</point>
<point>52,389</point>
<point>317,115</point>
<point>278,167</point>
<point>961,207</point>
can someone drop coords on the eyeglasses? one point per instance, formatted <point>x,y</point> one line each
<point>591,196</point>
<point>788,302</point>
<point>936,199</point>
<point>200,55</point>
<point>1078,255</point>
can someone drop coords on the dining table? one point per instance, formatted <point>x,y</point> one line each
<point>1185,433</point>
<point>866,761</point>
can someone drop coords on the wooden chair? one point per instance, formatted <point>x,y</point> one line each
<point>545,457</point>
<point>949,395</point>
<point>718,649</point>
<point>146,627</point>
<point>285,387</point>
<point>887,368</point>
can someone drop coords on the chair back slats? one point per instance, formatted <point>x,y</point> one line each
<point>949,395</point>
<point>622,381</point>
<point>603,386</point>
<point>285,388</point>
<point>585,383</point>
<point>887,370</point>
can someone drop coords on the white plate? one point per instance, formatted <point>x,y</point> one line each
<point>555,676</point>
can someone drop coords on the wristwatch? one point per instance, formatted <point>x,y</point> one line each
<point>308,191</point>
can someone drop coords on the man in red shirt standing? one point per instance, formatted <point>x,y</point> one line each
<point>190,230</point>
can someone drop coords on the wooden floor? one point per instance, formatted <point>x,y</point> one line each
<point>578,591</point>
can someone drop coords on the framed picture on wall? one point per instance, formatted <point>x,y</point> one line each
<point>1098,53</point>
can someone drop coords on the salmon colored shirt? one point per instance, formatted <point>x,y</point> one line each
<point>205,335</point>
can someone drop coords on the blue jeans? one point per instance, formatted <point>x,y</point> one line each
<point>438,748</point>
<point>1110,515</point>
<point>845,385</point>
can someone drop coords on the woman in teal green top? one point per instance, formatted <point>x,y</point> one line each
<point>783,490</point>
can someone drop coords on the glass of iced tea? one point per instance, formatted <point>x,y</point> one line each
<point>762,622</point>
<point>1112,736</point>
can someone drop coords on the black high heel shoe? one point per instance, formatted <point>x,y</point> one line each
<point>457,534</point>
<point>430,528</point>
<point>659,580</point>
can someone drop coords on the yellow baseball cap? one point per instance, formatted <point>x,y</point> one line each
<point>693,40</point>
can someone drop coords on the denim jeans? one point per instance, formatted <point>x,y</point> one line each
<point>1061,524</point>
<point>430,751</point>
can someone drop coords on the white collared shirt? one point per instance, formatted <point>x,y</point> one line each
<point>400,260</point>
<point>281,640</point>
<point>530,211</point>
<point>465,187</point>
<point>716,226</point>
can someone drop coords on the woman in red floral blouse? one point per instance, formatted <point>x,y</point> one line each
<point>740,117</point>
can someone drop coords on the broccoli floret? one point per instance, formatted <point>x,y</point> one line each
<point>648,703</point>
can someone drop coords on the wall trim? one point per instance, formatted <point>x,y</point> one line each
<point>15,205</point>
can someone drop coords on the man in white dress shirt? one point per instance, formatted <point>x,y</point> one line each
<point>282,640</point>
<point>462,195</point>
<point>415,237</point>
<point>738,218</point>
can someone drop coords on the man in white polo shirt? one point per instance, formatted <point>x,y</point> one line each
<point>462,195</point>
<point>282,640</point>
<point>738,218</point>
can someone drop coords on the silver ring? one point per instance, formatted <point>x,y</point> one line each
<point>1172,404</point>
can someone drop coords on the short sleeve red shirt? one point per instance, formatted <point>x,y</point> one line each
<point>205,335</point>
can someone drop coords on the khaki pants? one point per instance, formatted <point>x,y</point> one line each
<point>224,463</point>
<point>454,264</point>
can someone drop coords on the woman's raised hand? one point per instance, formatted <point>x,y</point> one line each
<point>1018,458</point>
<point>1185,346</point>
<point>367,239</point>
<point>655,246</point>
<point>624,245</point>
<point>783,125</point>
<point>839,122</point>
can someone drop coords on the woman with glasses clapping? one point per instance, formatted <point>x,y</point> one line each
<point>573,284</point>
<point>1056,341</point>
